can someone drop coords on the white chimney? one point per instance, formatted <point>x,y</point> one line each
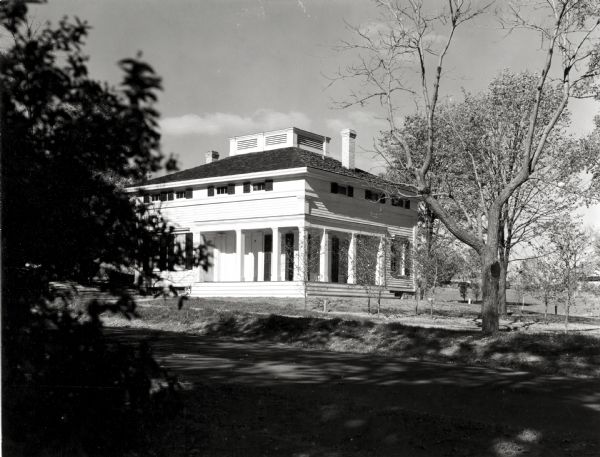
<point>211,156</point>
<point>348,145</point>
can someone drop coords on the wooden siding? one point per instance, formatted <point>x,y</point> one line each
<point>323,203</point>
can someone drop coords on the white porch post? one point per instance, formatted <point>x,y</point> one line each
<point>380,268</point>
<point>300,270</point>
<point>275,254</point>
<point>239,250</point>
<point>324,257</point>
<point>352,260</point>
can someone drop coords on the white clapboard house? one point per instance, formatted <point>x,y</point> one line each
<point>280,217</point>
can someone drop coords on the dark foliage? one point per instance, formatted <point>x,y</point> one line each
<point>70,146</point>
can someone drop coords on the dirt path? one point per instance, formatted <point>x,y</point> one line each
<point>261,399</point>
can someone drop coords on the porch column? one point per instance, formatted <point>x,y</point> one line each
<point>380,267</point>
<point>324,257</point>
<point>275,254</point>
<point>239,251</point>
<point>352,260</point>
<point>301,267</point>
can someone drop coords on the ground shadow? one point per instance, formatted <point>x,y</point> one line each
<point>256,398</point>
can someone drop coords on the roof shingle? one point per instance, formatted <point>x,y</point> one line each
<point>277,159</point>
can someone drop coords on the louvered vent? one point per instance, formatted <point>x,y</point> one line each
<point>247,144</point>
<point>311,143</point>
<point>276,139</point>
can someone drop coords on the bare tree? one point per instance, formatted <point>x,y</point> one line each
<point>410,35</point>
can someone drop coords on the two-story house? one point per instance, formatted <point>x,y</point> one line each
<point>280,217</point>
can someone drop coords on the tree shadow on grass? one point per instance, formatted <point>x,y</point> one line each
<point>255,398</point>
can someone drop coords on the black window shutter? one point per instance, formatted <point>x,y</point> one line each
<point>189,251</point>
<point>211,191</point>
<point>231,189</point>
<point>189,193</point>
<point>146,198</point>
<point>162,259</point>
<point>163,197</point>
<point>269,184</point>
<point>368,194</point>
<point>334,188</point>
<point>171,252</point>
<point>170,196</point>
<point>350,191</point>
<point>407,204</point>
<point>246,187</point>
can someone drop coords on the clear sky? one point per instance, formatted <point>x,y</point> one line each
<point>231,67</point>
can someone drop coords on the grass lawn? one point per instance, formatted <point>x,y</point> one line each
<point>451,335</point>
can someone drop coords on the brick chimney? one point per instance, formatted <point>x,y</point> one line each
<point>348,146</point>
<point>211,156</point>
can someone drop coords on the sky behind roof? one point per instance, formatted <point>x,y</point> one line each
<point>232,67</point>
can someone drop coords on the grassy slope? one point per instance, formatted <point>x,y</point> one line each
<point>278,322</point>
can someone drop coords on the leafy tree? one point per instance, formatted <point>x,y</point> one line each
<point>405,41</point>
<point>463,287</point>
<point>369,265</point>
<point>570,245</point>
<point>436,262</point>
<point>69,144</point>
<point>542,279</point>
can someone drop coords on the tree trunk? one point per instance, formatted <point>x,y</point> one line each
<point>502,287</point>
<point>490,276</point>
<point>546,310</point>
<point>417,295</point>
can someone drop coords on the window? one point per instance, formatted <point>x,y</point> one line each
<point>246,186</point>
<point>268,185</point>
<point>258,186</point>
<point>221,190</point>
<point>155,197</point>
<point>342,190</point>
<point>375,196</point>
<point>170,196</point>
<point>180,194</point>
<point>401,202</point>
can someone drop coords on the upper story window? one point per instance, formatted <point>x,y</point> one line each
<point>221,190</point>
<point>343,190</point>
<point>170,195</point>
<point>401,202</point>
<point>375,196</point>
<point>266,185</point>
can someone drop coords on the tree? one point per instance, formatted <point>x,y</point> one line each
<point>68,144</point>
<point>370,262</point>
<point>542,277</point>
<point>407,36</point>
<point>436,263</point>
<point>570,244</point>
